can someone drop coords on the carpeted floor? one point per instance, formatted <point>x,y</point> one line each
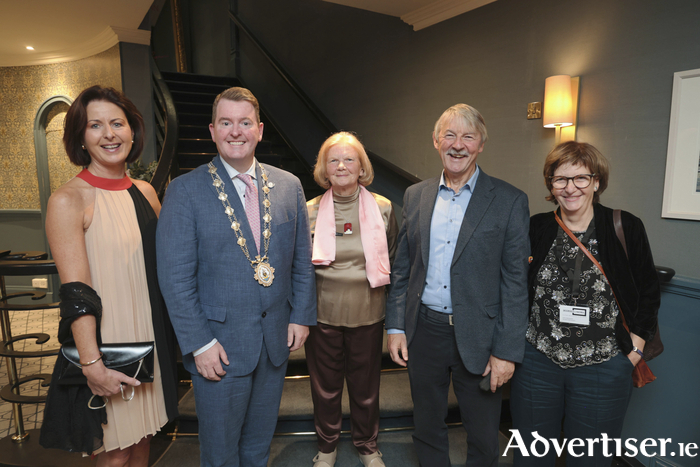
<point>286,451</point>
<point>295,451</point>
<point>396,447</point>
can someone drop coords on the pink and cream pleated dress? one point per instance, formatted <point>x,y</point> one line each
<point>118,273</point>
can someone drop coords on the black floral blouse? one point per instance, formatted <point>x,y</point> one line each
<point>571,345</point>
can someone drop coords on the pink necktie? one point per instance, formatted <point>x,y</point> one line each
<point>252,210</point>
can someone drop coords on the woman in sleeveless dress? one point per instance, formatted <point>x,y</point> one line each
<point>101,227</point>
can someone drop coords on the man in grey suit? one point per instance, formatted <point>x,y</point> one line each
<point>458,301</point>
<point>234,266</point>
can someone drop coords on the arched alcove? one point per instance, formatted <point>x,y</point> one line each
<point>48,109</point>
<point>44,148</point>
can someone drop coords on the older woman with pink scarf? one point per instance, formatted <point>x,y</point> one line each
<point>354,243</point>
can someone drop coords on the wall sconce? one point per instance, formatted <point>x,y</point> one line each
<point>561,106</point>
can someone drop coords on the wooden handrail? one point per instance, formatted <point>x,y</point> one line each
<point>167,159</point>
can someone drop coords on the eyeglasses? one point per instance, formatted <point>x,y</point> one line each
<point>581,181</point>
<point>347,161</point>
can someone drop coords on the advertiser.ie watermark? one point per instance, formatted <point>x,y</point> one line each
<point>578,447</point>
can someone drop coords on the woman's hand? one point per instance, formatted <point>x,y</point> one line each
<point>105,382</point>
<point>634,358</point>
<point>639,343</point>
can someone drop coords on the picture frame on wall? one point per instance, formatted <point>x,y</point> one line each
<point>682,182</point>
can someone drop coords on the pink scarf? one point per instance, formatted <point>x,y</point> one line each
<point>372,234</point>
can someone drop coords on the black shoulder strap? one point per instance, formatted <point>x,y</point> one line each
<point>617,220</point>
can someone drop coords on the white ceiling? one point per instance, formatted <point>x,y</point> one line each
<point>64,30</point>
<point>387,7</point>
<point>418,13</point>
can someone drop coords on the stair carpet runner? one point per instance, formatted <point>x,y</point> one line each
<point>294,442</point>
<point>193,96</point>
<point>296,407</point>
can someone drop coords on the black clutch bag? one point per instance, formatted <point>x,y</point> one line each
<point>134,359</point>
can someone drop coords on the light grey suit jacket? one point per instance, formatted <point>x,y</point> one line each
<point>207,282</point>
<point>488,273</point>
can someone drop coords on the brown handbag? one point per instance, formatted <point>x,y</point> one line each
<point>641,375</point>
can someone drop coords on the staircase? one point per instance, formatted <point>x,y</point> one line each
<point>296,408</point>
<point>295,439</point>
<point>193,96</point>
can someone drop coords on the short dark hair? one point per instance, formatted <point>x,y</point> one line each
<point>575,153</point>
<point>76,123</point>
<point>236,94</point>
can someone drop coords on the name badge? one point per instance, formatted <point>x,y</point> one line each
<point>580,315</point>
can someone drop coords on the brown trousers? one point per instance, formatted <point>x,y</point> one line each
<point>334,353</point>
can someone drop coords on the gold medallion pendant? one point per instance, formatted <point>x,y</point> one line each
<point>264,274</point>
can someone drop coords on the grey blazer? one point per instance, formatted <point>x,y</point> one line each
<point>207,282</point>
<point>488,273</point>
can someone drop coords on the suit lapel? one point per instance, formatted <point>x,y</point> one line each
<point>236,204</point>
<point>427,205</point>
<point>261,198</point>
<point>481,200</point>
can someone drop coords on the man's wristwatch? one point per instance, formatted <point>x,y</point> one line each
<point>635,349</point>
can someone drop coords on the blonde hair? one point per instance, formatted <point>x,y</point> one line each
<point>342,137</point>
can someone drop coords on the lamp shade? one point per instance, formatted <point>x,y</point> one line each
<point>558,108</point>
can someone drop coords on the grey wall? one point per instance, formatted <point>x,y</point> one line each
<point>373,74</point>
<point>210,36</point>
<point>661,409</point>
<point>136,84</point>
<point>162,40</point>
<point>21,230</point>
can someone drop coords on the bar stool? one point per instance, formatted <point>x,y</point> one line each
<point>22,264</point>
<point>19,449</point>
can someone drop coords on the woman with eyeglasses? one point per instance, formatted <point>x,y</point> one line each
<point>578,366</point>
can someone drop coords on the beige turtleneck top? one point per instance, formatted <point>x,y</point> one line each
<point>344,295</point>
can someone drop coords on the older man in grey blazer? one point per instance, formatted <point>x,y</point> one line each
<point>234,266</point>
<point>458,302</point>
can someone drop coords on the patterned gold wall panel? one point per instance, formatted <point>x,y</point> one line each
<point>22,91</point>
